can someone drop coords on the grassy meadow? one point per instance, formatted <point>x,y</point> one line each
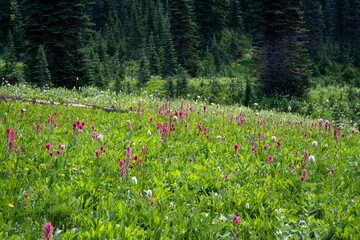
<point>183,169</point>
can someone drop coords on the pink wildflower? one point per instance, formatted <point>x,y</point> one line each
<point>128,153</point>
<point>7,132</point>
<point>122,168</point>
<point>235,222</point>
<point>236,147</point>
<point>11,146</point>
<point>48,230</point>
<point>18,151</point>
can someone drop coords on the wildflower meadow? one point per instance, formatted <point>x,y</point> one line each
<point>175,170</point>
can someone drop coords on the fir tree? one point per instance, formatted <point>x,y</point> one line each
<point>167,54</point>
<point>9,57</point>
<point>170,88</point>
<point>183,30</point>
<point>153,57</point>
<point>144,72</point>
<point>41,74</point>
<point>211,17</point>
<point>235,16</point>
<point>313,23</point>
<point>280,50</point>
<point>5,20</point>
<point>136,30</point>
<point>62,29</point>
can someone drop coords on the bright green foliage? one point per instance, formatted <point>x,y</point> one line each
<point>86,197</point>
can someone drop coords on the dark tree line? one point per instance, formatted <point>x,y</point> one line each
<point>80,42</point>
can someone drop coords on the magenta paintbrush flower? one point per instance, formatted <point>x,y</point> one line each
<point>236,147</point>
<point>48,230</point>
<point>48,146</point>
<point>128,153</point>
<point>18,151</point>
<point>11,146</point>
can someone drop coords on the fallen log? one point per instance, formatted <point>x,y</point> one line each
<point>90,106</point>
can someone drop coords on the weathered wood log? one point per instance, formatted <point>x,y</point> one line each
<point>90,106</point>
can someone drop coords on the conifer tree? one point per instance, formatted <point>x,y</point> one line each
<point>18,29</point>
<point>167,53</point>
<point>144,71</point>
<point>136,30</point>
<point>62,29</point>
<point>280,50</point>
<point>153,57</point>
<point>9,56</point>
<point>235,16</point>
<point>314,24</point>
<point>183,30</point>
<point>41,74</point>
<point>211,17</point>
<point>5,20</point>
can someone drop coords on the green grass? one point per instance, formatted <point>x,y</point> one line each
<point>85,197</point>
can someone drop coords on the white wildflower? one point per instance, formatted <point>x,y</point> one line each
<point>175,118</point>
<point>100,138</point>
<point>171,205</point>
<point>314,144</point>
<point>312,159</point>
<point>149,133</point>
<point>134,180</point>
<point>148,193</point>
<point>273,138</point>
<point>247,206</point>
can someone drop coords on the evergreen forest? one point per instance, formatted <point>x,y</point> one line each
<point>262,47</point>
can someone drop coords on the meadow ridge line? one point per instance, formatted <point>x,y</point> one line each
<point>89,106</point>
